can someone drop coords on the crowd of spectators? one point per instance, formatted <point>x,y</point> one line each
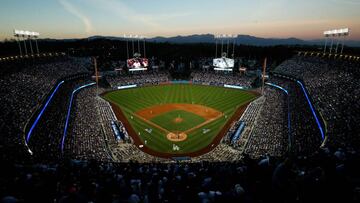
<point>333,86</point>
<point>249,118</point>
<point>25,91</point>
<point>221,78</point>
<point>125,152</point>
<point>85,138</point>
<point>270,132</point>
<point>304,133</point>
<point>326,176</point>
<point>280,125</point>
<point>139,78</point>
<point>47,134</point>
<point>223,152</point>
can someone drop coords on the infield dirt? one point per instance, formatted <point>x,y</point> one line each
<point>206,112</point>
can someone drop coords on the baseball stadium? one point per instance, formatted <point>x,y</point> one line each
<point>126,101</point>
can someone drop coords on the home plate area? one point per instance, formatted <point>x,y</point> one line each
<point>176,137</point>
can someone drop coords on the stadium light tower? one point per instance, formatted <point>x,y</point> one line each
<point>31,48</point>
<point>226,61</point>
<point>144,46</point>
<point>26,35</point>
<point>229,39</point>
<point>132,41</point>
<point>17,36</point>
<point>127,47</point>
<point>336,34</point>
<point>36,44</point>
<point>138,38</point>
<point>136,62</point>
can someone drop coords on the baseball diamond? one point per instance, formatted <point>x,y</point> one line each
<point>192,116</point>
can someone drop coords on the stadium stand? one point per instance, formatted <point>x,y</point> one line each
<point>254,167</point>
<point>212,78</point>
<point>320,177</point>
<point>47,134</point>
<point>334,89</point>
<point>27,90</point>
<point>269,135</point>
<point>249,117</point>
<point>305,135</point>
<point>153,78</point>
<point>107,117</point>
<point>85,137</point>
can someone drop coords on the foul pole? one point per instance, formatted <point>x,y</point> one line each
<point>263,76</point>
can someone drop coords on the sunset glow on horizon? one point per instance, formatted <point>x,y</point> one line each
<point>270,19</point>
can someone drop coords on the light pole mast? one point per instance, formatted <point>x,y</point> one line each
<point>18,41</point>
<point>263,76</point>
<point>96,76</point>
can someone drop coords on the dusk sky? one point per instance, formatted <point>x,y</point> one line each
<point>305,19</point>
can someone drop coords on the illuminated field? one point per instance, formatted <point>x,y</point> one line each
<point>177,119</point>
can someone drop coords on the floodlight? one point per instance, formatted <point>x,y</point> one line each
<point>343,31</point>
<point>26,33</point>
<point>335,34</point>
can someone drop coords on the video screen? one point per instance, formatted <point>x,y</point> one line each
<point>223,63</point>
<point>135,63</point>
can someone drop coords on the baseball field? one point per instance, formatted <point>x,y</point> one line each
<point>178,119</point>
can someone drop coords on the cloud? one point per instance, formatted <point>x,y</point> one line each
<point>124,11</point>
<point>121,9</point>
<point>74,11</point>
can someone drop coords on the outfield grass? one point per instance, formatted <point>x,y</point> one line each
<point>166,120</point>
<point>222,99</point>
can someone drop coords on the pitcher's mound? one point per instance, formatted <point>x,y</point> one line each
<point>176,137</point>
<point>178,120</point>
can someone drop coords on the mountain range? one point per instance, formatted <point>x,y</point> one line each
<point>240,39</point>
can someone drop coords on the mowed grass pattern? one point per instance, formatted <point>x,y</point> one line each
<point>167,120</point>
<point>222,99</point>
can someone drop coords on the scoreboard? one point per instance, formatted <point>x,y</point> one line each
<point>225,64</point>
<point>137,64</point>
